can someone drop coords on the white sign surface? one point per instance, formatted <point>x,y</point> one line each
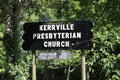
<point>54,56</point>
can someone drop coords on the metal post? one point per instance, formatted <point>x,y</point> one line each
<point>83,66</point>
<point>33,65</point>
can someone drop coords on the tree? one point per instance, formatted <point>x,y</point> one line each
<point>11,16</point>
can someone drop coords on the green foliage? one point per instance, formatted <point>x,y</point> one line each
<point>102,59</point>
<point>2,51</point>
<point>20,71</point>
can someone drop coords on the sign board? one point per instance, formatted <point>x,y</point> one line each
<point>74,35</point>
<point>54,56</point>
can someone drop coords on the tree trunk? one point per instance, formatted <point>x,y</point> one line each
<point>68,73</point>
<point>11,35</point>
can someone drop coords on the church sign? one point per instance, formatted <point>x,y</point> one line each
<point>74,35</point>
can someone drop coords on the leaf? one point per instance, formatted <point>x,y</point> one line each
<point>1,35</point>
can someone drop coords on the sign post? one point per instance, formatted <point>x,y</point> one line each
<point>33,65</point>
<point>83,65</point>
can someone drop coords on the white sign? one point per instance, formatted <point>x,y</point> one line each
<point>54,56</point>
